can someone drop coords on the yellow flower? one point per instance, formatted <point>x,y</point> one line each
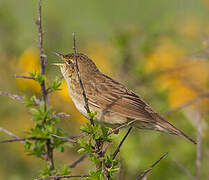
<point>179,94</point>
<point>190,28</point>
<point>183,77</point>
<point>28,62</point>
<point>164,57</point>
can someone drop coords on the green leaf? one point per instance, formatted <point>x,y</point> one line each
<point>27,145</point>
<point>46,171</point>
<point>81,150</point>
<point>34,111</point>
<point>92,114</point>
<point>54,86</point>
<point>60,148</point>
<point>65,170</point>
<point>29,101</point>
<point>83,128</point>
<point>38,77</point>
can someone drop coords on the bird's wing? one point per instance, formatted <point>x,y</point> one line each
<point>112,96</point>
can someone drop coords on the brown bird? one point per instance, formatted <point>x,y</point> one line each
<point>114,103</point>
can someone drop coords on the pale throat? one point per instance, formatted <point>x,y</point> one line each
<point>73,91</point>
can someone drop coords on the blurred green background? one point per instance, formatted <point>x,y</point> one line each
<point>157,48</point>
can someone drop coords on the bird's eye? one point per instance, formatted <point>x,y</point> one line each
<point>68,62</point>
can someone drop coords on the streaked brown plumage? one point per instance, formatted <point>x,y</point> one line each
<point>115,104</point>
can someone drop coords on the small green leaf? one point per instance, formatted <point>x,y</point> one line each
<point>60,148</point>
<point>34,111</point>
<point>27,145</point>
<point>83,128</point>
<point>81,150</point>
<point>65,170</point>
<point>55,85</point>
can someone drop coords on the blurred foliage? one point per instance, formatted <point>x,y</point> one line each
<point>158,48</point>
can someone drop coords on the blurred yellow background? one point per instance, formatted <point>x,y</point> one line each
<point>160,49</point>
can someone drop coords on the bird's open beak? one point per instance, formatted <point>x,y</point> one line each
<point>58,64</point>
<point>58,54</point>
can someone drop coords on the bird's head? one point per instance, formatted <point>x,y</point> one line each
<point>68,67</point>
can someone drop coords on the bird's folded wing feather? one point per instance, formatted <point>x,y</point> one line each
<point>114,97</point>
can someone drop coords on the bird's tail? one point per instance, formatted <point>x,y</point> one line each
<point>169,128</point>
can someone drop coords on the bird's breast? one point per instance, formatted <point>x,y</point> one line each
<point>76,95</point>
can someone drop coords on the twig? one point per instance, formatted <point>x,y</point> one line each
<point>198,154</point>
<point>121,126</point>
<point>40,44</point>
<point>13,140</point>
<point>64,176</point>
<point>194,100</point>
<point>183,169</point>
<point>20,139</point>
<point>61,115</point>
<point>80,79</point>
<point>151,167</point>
<point>43,85</point>
<point>104,170</point>
<point>121,143</point>
<point>65,138</point>
<point>83,134</point>
<point>75,163</point>
<point>9,133</point>
<point>13,96</point>
<point>18,97</point>
<point>34,138</point>
<point>24,77</point>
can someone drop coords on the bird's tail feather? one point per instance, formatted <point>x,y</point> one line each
<point>169,128</point>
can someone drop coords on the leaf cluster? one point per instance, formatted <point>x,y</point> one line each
<point>44,133</point>
<point>98,136</point>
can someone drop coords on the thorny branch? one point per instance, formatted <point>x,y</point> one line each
<point>83,134</point>
<point>9,133</point>
<point>13,96</point>
<point>122,126</point>
<point>24,77</point>
<point>61,115</point>
<point>75,163</point>
<point>80,79</point>
<point>121,143</point>
<point>143,174</point>
<point>64,176</point>
<point>43,72</point>
<point>104,170</point>
<point>40,44</point>
<point>17,139</point>
<point>65,139</point>
<point>33,138</point>
<point>18,97</point>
